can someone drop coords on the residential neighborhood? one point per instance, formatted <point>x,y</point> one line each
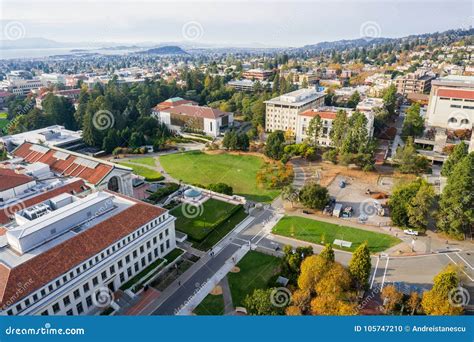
<point>327,179</point>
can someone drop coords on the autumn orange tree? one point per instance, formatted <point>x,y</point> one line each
<point>436,301</point>
<point>324,287</point>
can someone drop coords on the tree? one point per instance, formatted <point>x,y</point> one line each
<point>413,302</point>
<point>221,188</point>
<point>354,100</point>
<point>327,253</point>
<point>458,153</point>
<point>289,193</point>
<point>420,207</point>
<point>390,99</point>
<point>411,204</point>
<point>456,213</point>
<point>409,161</point>
<point>360,266</point>
<point>392,298</point>
<point>314,196</point>
<point>413,124</point>
<point>339,127</point>
<point>275,145</point>
<point>291,262</point>
<point>260,303</point>
<point>315,128</point>
<point>437,301</point>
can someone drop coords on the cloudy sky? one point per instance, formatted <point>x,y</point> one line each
<point>273,23</point>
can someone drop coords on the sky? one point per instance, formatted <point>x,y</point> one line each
<point>239,23</point>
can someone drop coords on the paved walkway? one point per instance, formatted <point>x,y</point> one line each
<point>227,295</point>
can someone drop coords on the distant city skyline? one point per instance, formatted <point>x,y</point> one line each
<point>227,23</point>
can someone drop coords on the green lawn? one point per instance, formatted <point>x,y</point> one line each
<point>150,161</point>
<point>200,226</point>
<point>210,306</point>
<point>237,171</point>
<point>3,115</point>
<point>312,231</point>
<point>256,271</point>
<point>3,120</point>
<point>222,230</point>
<point>149,174</point>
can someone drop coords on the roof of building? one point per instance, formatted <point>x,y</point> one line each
<point>75,187</point>
<point>172,102</point>
<point>43,268</point>
<point>298,97</point>
<point>458,94</point>
<point>10,179</point>
<point>197,111</point>
<point>67,163</point>
<point>322,114</point>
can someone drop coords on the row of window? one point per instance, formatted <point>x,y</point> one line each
<point>86,265</point>
<point>137,266</point>
<point>463,107</point>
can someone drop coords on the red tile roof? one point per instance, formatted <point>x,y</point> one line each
<point>66,167</point>
<point>458,94</point>
<point>197,111</point>
<point>323,115</point>
<point>74,187</point>
<point>10,179</point>
<point>45,267</point>
<point>168,104</point>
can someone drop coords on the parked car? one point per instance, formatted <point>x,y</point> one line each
<point>411,232</point>
<point>337,210</point>
<point>347,212</point>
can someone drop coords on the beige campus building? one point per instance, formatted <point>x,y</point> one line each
<point>282,111</point>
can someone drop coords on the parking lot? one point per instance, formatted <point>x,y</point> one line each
<point>354,194</point>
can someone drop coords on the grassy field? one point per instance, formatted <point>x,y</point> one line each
<point>316,231</point>
<point>150,161</point>
<point>222,230</point>
<point>237,171</point>
<point>149,174</point>
<point>3,115</point>
<point>212,305</point>
<point>200,226</point>
<point>256,270</point>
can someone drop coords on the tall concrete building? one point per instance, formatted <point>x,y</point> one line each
<point>282,111</point>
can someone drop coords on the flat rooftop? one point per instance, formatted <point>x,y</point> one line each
<point>62,216</point>
<point>296,98</point>
<point>455,80</point>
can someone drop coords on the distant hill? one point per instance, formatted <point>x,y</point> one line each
<point>165,50</point>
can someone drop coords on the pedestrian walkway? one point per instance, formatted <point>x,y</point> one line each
<point>227,295</point>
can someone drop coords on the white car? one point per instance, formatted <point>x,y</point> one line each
<point>411,232</point>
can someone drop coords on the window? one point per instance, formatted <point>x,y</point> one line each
<point>122,277</point>
<point>95,281</point>
<point>167,232</point>
<point>43,292</point>
<point>86,287</point>
<point>142,249</point>
<point>44,313</point>
<point>127,259</point>
<point>129,271</point>
<point>112,269</point>
<point>35,297</point>
<point>120,264</point>
<point>76,294</point>
<point>18,307</point>
<point>10,312</point>
<point>103,275</point>
<point>69,312</point>
<point>80,309</point>
<point>167,244</point>
<point>27,302</point>
<point>162,248</point>
<point>56,308</point>
<point>136,266</point>
<point>66,301</point>
<point>89,301</point>
<point>135,254</point>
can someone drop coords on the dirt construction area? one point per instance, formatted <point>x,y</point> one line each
<point>365,192</point>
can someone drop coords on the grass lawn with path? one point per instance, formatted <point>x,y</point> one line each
<point>315,231</point>
<point>149,174</point>
<point>256,271</point>
<point>238,171</point>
